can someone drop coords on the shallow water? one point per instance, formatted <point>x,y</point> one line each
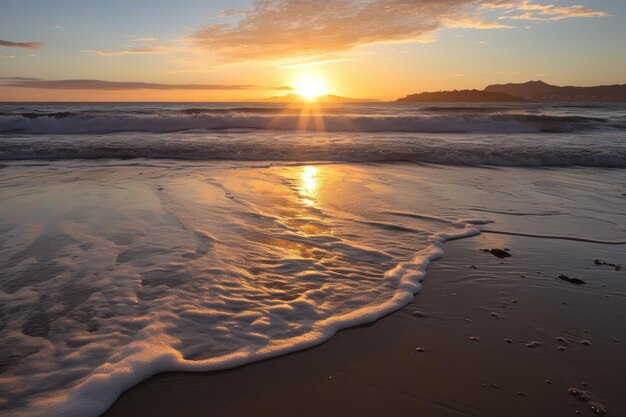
<point>113,271</point>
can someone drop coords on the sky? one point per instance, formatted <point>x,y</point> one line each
<point>214,50</point>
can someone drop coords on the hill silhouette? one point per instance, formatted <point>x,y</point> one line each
<point>460,96</point>
<point>541,91</point>
<point>528,91</point>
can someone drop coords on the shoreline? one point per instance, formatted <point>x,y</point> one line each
<point>210,259</point>
<point>421,360</point>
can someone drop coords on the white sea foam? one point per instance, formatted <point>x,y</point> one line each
<point>125,276</point>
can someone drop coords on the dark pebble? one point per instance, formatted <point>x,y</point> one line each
<point>577,281</point>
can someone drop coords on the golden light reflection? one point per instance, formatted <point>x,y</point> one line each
<point>309,185</point>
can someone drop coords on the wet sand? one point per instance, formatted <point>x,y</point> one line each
<point>114,271</point>
<point>485,337</point>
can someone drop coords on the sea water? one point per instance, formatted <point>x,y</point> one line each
<point>143,238</point>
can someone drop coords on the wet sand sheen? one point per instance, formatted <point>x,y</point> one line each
<point>496,339</point>
<point>171,266</point>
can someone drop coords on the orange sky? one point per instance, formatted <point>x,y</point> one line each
<point>237,50</point>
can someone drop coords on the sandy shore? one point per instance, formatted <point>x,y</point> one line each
<point>536,337</point>
<point>115,271</point>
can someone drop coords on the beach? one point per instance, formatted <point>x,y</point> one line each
<point>300,208</point>
<point>450,257</point>
<point>162,266</point>
<point>377,369</point>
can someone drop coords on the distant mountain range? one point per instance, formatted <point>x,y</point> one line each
<point>460,96</point>
<point>540,91</point>
<point>329,98</point>
<point>529,91</point>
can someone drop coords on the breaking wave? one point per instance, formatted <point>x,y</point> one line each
<point>499,150</point>
<point>287,120</point>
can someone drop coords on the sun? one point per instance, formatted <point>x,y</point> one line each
<point>310,86</point>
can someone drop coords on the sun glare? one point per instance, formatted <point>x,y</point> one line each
<point>310,86</point>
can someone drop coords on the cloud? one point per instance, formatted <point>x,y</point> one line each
<point>27,45</point>
<point>131,51</point>
<point>534,11</point>
<point>297,29</point>
<point>275,29</point>
<point>148,39</point>
<point>23,82</point>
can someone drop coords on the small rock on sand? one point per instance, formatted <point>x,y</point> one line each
<point>509,341</point>
<point>498,253</point>
<point>496,315</point>
<point>533,344</point>
<point>598,409</point>
<point>577,281</point>
<point>419,349</point>
<point>579,394</point>
<point>585,343</point>
<point>474,339</point>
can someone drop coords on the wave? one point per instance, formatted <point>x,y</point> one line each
<point>240,146</point>
<point>245,118</point>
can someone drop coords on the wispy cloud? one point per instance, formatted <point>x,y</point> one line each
<point>22,82</point>
<point>275,29</point>
<point>26,45</point>
<point>131,51</point>
<point>530,10</point>
<point>299,29</point>
<point>147,39</point>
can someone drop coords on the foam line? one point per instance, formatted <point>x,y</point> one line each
<point>151,353</point>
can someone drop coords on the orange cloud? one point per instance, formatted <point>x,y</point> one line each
<point>277,29</point>
<point>304,29</point>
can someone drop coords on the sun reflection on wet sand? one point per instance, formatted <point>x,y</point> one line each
<point>309,185</point>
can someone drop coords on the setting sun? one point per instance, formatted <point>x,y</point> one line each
<point>310,86</point>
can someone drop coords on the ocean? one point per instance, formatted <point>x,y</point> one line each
<point>153,237</point>
<point>527,134</point>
